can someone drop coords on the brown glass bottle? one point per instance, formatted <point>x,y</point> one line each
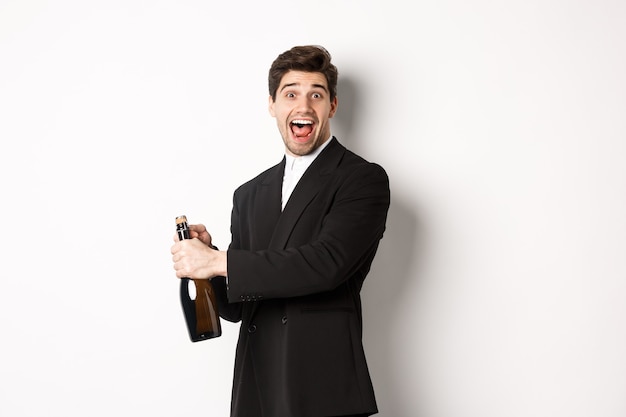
<point>201,313</point>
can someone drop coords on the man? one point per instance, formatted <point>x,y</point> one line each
<point>304,234</point>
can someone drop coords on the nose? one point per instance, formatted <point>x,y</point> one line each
<point>304,103</point>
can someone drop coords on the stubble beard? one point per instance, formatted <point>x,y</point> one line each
<point>302,149</point>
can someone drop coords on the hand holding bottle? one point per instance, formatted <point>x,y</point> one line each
<point>194,257</point>
<point>194,254</point>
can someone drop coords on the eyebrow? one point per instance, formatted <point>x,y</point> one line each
<point>323,87</point>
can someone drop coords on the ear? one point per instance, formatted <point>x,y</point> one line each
<point>270,106</point>
<point>333,107</point>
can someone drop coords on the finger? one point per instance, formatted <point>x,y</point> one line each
<point>182,273</point>
<point>198,228</point>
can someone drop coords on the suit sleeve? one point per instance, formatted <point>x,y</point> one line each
<point>228,311</point>
<point>343,246</point>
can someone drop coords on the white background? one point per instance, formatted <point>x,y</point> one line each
<point>499,287</point>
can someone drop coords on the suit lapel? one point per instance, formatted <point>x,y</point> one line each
<point>309,185</point>
<point>267,206</point>
<point>273,228</point>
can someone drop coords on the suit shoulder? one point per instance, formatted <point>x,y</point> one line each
<point>260,178</point>
<point>353,162</point>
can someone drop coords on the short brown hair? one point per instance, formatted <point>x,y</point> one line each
<point>309,58</point>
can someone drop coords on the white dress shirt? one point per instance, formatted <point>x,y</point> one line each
<point>295,168</point>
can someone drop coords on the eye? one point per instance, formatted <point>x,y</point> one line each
<point>317,95</point>
<point>290,95</point>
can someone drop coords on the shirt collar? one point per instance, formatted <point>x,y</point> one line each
<point>305,160</point>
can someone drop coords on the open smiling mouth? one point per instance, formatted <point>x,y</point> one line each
<point>301,128</point>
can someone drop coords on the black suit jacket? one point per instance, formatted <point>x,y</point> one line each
<point>294,281</point>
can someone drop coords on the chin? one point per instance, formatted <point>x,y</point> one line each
<point>300,149</point>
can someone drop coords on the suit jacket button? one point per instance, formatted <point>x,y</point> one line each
<point>284,320</point>
<point>252,328</point>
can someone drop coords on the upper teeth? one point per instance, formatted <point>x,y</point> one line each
<point>302,122</point>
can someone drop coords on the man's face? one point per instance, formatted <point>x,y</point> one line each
<point>302,110</point>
